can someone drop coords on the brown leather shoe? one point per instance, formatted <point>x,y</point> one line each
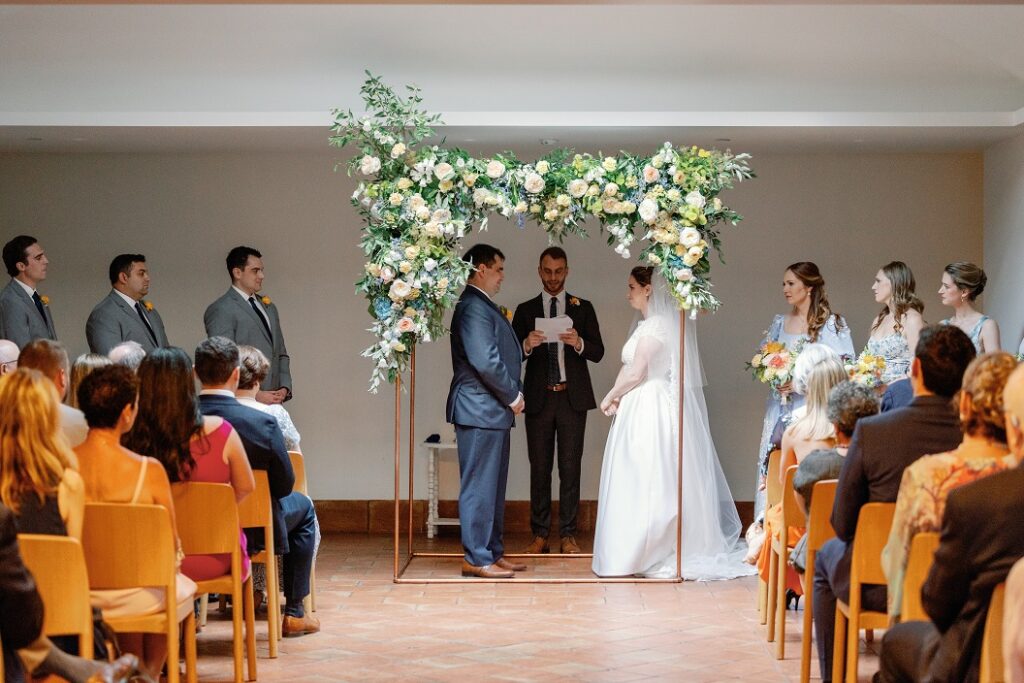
<point>293,627</point>
<point>510,564</point>
<point>569,546</point>
<point>539,545</point>
<point>491,571</point>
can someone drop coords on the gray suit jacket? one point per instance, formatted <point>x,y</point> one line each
<point>113,321</point>
<point>20,321</point>
<point>231,316</point>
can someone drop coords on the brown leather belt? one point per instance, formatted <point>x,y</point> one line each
<point>561,386</point>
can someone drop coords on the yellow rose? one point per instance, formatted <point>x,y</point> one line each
<point>398,346</point>
<point>445,185</point>
<point>542,167</point>
<point>404,183</point>
<point>563,200</point>
<point>412,251</point>
<point>470,179</point>
<point>395,199</point>
<point>609,163</point>
<point>404,266</point>
<point>679,178</point>
<point>535,208</point>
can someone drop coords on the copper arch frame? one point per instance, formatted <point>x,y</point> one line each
<point>400,566</point>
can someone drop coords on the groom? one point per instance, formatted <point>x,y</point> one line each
<point>484,398</point>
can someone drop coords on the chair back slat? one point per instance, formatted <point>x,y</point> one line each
<point>992,670</point>
<point>58,565</point>
<point>299,467</point>
<point>873,525</point>
<point>207,517</point>
<point>919,563</point>
<point>792,514</point>
<point>819,526</point>
<point>128,546</point>
<point>773,487</point>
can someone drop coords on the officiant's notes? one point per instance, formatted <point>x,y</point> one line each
<point>552,327</point>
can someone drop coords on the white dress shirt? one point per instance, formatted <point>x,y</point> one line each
<point>28,290</point>
<point>259,305</point>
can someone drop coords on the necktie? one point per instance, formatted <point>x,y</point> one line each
<point>259,314</point>
<point>39,305</point>
<point>554,374</point>
<point>145,321</point>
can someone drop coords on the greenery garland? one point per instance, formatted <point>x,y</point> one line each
<point>419,200</point>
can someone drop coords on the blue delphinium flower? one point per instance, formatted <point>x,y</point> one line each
<point>382,307</point>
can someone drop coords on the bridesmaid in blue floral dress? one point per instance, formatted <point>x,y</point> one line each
<point>810,320</point>
<point>962,283</point>
<point>896,328</point>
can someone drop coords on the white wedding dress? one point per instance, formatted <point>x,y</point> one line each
<point>637,504</point>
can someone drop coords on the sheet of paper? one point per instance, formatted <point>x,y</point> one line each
<point>552,327</point>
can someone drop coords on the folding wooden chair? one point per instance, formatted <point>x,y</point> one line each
<point>778,564</point>
<point>132,546</point>
<point>299,467</point>
<point>873,525</point>
<point>819,531</point>
<point>207,519</point>
<point>58,565</point>
<point>256,511</point>
<point>772,494</point>
<point>919,563</point>
<point>992,670</point>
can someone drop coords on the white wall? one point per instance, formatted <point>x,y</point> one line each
<point>850,213</point>
<point>1004,237</point>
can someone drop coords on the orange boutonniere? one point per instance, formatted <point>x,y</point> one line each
<point>45,299</point>
<point>574,301</point>
<point>148,305</point>
<point>265,300</point>
<point>505,312</point>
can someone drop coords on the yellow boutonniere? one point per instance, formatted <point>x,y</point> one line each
<point>45,299</point>
<point>505,312</point>
<point>265,300</point>
<point>148,305</point>
<point>574,301</point>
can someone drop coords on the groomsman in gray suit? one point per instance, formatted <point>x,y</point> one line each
<point>24,313</point>
<point>124,315</point>
<point>248,319</point>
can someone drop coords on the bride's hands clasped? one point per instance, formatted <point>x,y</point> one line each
<point>609,406</point>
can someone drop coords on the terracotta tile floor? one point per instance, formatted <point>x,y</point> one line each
<point>376,630</point>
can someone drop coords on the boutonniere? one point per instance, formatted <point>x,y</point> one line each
<point>148,305</point>
<point>505,312</point>
<point>573,301</point>
<point>45,299</point>
<point>265,299</point>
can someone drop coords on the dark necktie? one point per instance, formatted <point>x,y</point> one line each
<point>39,306</point>
<point>554,374</point>
<point>259,314</point>
<point>145,321</point>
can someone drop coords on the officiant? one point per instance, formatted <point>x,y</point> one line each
<point>560,335</point>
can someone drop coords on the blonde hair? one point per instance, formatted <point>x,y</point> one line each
<point>815,425</point>
<point>984,381</point>
<point>84,365</point>
<point>33,450</point>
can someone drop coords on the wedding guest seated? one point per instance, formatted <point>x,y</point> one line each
<point>8,356</point>
<point>25,649</point>
<point>50,358</point>
<point>83,365</point>
<point>129,354</point>
<point>217,367</point>
<point>981,540</point>
<point>191,447</point>
<point>848,402</point>
<point>927,482</point>
<point>897,395</point>
<point>253,369</point>
<point>882,446</point>
<point>1013,625</point>
<point>115,474</point>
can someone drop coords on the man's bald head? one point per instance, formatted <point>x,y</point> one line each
<point>8,356</point>
<point>1013,407</point>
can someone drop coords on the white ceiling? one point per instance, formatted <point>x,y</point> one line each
<point>126,77</point>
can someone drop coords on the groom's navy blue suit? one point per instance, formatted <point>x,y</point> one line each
<point>486,358</point>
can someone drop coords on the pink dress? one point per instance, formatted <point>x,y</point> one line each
<point>208,452</point>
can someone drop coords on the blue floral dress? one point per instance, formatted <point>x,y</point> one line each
<point>896,352</point>
<point>834,334</point>
<point>975,333</point>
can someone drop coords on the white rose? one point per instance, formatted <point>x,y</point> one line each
<point>432,230</point>
<point>651,174</point>
<point>551,214</point>
<point>610,205</point>
<point>373,269</point>
<point>397,151</point>
<point>692,256</point>
<point>689,237</point>
<point>416,202</point>
<point>495,169</point>
<point>429,265</point>
<point>684,274</point>
<point>444,171</point>
<point>563,200</point>
<point>441,215</point>
<point>412,251</point>
<point>534,183</point>
<point>387,274</point>
<point>648,210</point>
<point>522,207</point>
<point>654,259</point>
<point>578,188</point>
<point>395,199</point>
<point>405,325</point>
<point>695,199</point>
<point>543,167</point>
<point>673,195</point>
<point>717,203</point>
<point>628,207</point>
<point>611,189</point>
<point>369,165</point>
<point>404,183</point>
<point>399,290</point>
<point>423,213</point>
<point>405,267</point>
<point>609,163</point>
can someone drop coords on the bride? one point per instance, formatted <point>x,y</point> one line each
<point>638,502</point>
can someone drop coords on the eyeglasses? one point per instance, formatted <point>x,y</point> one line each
<point>8,362</point>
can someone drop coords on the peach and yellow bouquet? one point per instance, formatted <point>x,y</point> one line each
<point>867,369</point>
<point>773,364</point>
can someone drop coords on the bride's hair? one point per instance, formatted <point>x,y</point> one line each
<point>815,425</point>
<point>903,297</point>
<point>642,275</point>
<point>820,311</point>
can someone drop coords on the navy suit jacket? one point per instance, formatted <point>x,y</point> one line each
<point>486,359</point>
<point>264,446</point>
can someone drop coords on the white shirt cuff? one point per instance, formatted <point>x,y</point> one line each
<point>518,399</point>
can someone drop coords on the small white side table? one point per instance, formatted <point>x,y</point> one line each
<point>434,520</point>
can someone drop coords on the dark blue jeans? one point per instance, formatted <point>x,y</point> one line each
<point>299,518</point>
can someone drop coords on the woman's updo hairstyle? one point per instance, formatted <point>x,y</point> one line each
<point>642,275</point>
<point>968,278</point>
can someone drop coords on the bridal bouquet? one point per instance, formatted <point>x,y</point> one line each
<point>773,364</point>
<point>866,370</point>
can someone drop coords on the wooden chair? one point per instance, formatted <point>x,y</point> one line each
<point>772,495</point>
<point>778,564</point>
<point>919,563</point>
<point>207,519</point>
<point>301,485</point>
<point>992,670</point>
<point>131,546</point>
<point>819,531</point>
<point>873,525</point>
<point>58,565</point>
<point>256,511</point>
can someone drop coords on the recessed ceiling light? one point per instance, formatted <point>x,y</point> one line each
<point>34,139</point>
<point>547,142</point>
<point>723,139</point>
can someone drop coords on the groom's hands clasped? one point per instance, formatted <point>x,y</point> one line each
<point>519,406</point>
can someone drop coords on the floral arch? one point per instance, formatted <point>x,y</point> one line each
<point>419,201</point>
